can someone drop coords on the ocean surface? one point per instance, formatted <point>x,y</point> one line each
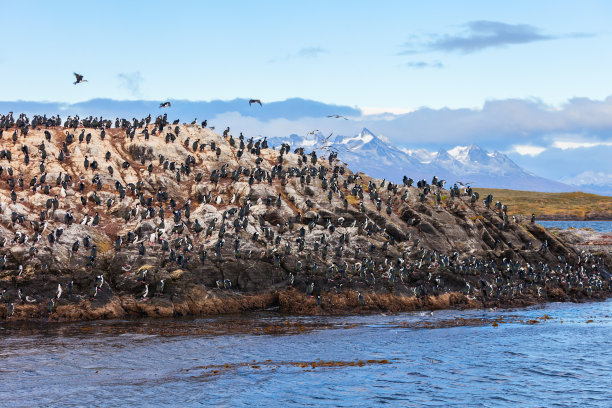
<point>557,355</point>
<point>601,226</point>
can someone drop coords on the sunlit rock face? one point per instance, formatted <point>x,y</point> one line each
<point>180,219</point>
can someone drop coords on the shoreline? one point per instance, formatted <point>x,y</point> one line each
<point>288,301</point>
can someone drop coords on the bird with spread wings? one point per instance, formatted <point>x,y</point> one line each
<point>327,145</point>
<point>79,78</point>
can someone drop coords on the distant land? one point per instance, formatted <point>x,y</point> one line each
<point>553,206</point>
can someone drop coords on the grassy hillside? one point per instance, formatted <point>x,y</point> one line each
<point>559,206</point>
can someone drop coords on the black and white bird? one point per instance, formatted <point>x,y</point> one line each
<point>160,287</point>
<point>79,78</point>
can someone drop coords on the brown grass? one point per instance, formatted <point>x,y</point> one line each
<point>575,205</point>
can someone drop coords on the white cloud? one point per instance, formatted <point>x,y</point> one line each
<point>528,150</point>
<point>306,52</point>
<point>379,110</point>
<point>566,144</point>
<point>131,81</point>
<point>311,52</point>
<point>284,127</point>
<point>384,138</point>
<point>590,177</point>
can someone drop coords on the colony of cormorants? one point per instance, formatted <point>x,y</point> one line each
<point>92,209</point>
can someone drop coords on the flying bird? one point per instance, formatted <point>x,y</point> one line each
<point>252,101</point>
<point>165,104</point>
<point>337,149</point>
<point>79,78</point>
<point>312,132</point>
<point>337,117</point>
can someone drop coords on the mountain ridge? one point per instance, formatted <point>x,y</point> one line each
<point>469,164</point>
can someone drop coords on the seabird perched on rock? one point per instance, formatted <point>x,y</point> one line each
<point>51,305</point>
<point>160,287</point>
<point>142,275</point>
<point>99,281</point>
<point>310,290</point>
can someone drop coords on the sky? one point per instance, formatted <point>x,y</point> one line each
<point>519,77</point>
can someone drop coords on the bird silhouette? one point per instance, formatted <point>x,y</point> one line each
<point>165,105</point>
<point>337,117</point>
<point>79,78</point>
<point>252,101</point>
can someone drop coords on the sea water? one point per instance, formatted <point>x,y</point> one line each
<point>601,226</point>
<point>558,355</point>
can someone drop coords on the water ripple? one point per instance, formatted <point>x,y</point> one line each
<point>450,359</point>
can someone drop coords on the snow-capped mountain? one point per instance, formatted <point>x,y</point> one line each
<point>375,156</point>
<point>597,182</point>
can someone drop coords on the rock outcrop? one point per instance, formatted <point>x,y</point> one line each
<point>162,220</point>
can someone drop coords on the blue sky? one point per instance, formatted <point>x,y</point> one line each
<point>344,52</point>
<point>477,62</point>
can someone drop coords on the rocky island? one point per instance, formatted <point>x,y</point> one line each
<point>143,217</point>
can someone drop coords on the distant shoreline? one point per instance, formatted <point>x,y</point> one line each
<point>570,218</point>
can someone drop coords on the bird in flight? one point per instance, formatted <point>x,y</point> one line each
<point>79,78</point>
<point>252,101</point>
<point>326,144</point>
<point>165,104</point>
<point>337,149</point>
<point>337,117</point>
<point>327,138</point>
<point>312,132</point>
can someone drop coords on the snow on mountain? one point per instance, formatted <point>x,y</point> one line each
<point>422,155</point>
<point>469,164</point>
<point>598,182</point>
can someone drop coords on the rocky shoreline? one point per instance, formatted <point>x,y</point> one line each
<point>147,218</point>
<point>287,301</point>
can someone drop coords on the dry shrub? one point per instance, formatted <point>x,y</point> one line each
<point>292,301</point>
